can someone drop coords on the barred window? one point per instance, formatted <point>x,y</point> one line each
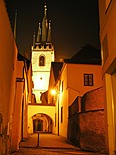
<point>88,79</point>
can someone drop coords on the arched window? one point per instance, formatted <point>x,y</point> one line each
<point>42,60</point>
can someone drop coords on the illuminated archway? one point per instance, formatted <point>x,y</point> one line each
<point>42,122</point>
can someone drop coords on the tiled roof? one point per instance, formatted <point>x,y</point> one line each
<point>86,55</point>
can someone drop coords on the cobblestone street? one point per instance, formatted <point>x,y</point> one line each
<point>49,144</point>
<point>34,151</point>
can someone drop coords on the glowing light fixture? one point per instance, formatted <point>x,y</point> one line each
<point>53,91</point>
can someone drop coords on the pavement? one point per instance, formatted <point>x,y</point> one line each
<point>49,144</point>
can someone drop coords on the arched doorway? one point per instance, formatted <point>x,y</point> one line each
<point>37,125</point>
<point>42,122</point>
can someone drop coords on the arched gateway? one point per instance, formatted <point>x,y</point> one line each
<point>41,118</point>
<point>42,122</point>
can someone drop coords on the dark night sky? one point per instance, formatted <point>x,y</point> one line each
<point>74,23</point>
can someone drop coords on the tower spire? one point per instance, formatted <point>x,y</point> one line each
<point>44,25</point>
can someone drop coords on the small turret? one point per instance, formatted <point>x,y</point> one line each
<point>39,34</point>
<point>49,33</point>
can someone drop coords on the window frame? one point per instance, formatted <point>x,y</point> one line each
<point>88,81</point>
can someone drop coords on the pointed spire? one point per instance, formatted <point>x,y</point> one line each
<point>15,24</point>
<point>39,34</point>
<point>49,33</point>
<point>33,39</point>
<point>44,25</point>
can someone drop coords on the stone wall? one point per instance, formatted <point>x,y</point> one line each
<point>92,136</point>
<point>93,100</point>
<point>86,128</point>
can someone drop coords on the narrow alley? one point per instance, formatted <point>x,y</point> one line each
<point>49,144</point>
<point>52,103</point>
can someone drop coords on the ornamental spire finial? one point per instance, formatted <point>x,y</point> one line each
<point>45,9</point>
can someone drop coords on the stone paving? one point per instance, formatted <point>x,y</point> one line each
<point>49,144</point>
<point>47,141</point>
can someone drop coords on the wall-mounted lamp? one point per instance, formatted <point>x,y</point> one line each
<point>53,92</point>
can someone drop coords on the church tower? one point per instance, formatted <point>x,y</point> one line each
<point>42,55</point>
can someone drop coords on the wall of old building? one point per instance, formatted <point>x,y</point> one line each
<point>88,125</point>
<point>22,96</point>
<point>107,14</point>
<point>13,89</point>
<point>71,85</point>
<point>8,56</point>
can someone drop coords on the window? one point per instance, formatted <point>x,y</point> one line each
<point>88,79</point>
<point>42,60</point>
<point>61,114</point>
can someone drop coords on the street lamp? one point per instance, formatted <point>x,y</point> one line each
<point>53,93</point>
